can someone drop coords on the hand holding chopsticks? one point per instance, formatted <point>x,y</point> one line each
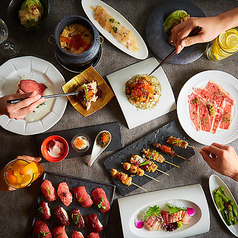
<point>192,33</point>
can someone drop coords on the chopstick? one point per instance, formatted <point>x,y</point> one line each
<point>46,96</point>
<point>194,32</point>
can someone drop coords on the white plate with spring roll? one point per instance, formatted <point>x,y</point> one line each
<point>40,71</point>
<point>89,5</point>
<point>214,183</point>
<point>188,196</point>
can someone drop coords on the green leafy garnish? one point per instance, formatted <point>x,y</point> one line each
<point>155,210</point>
<point>40,209</point>
<point>41,105</point>
<point>114,29</point>
<point>42,234</point>
<point>76,219</point>
<point>176,142</point>
<point>100,205</point>
<point>173,209</point>
<point>111,20</point>
<point>48,191</point>
<point>145,163</point>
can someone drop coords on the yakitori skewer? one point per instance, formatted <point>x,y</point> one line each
<point>145,164</point>
<point>179,143</point>
<point>136,170</point>
<point>168,151</point>
<point>125,179</point>
<point>155,155</point>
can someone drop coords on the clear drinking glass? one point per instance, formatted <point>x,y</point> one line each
<point>8,47</point>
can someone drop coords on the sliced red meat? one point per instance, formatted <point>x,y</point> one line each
<point>193,105</point>
<point>44,210</point>
<point>205,118</point>
<point>93,235</point>
<point>64,193</point>
<point>227,117</point>
<point>29,85</point>
<point>42,230</point>
<point>217,120</point>
<point>77,234</point>
<point>100,199</point>
<point>94,223</point>
<point>83,197</point>
<point>78,219</point>
<point>59,232</point>
<point>48,190</point>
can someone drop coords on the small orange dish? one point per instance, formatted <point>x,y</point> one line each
<point>54,148</point>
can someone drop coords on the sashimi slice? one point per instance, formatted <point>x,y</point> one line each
<point>48,190</point>
<point>64,193</point>
<point>152,223</point>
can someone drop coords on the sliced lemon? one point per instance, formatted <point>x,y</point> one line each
<point>232,41</point>
<point>29,169</point>
<point>222,40</point>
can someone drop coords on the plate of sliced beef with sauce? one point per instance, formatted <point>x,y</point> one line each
<point>207,107</point>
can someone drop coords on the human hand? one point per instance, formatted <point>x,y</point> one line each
<point>211,28</point>
<point>222,159</point>
<point>3,185</point>
<point>22,108</point>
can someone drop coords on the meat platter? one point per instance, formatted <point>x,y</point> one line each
<point>74,182</point>
<point>158,136</point>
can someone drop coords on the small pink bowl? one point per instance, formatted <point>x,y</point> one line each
<point>45,153</point>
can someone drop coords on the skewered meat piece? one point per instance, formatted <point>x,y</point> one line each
<point>100,199</point>
<point>127,181</point>
<point>166,149</point>
<point>154,155</point>
<point>143,163</point>
<point>133,169</point>
<point>121,176</point>
<point>177,142</point>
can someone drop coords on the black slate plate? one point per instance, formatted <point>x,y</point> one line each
<point>157,37</point>
<point>74,182</point>
<point>159,136</point>
<point>114,128</point>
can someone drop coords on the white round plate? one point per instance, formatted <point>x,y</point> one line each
<point>42,71</point>
<point>216,182</point>
<point>87,4</point>
<point>230,84</point>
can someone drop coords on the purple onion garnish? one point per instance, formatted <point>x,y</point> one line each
<point>190,211</point>
<point>139,224</point>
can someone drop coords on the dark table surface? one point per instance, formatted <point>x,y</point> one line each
<point>17,208</point>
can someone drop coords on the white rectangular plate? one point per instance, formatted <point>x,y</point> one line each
<point>134,116</point>
<point>192,195</point>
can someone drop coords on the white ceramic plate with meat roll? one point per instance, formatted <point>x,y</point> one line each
<point>216,182</point>
<point>43,72</point>
<point>190,196</point>
<point>200,80</point>
<point>87,7</point>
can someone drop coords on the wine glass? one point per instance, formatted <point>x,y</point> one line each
<point>8,47</point>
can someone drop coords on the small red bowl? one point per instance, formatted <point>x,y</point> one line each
<point>45,153</point>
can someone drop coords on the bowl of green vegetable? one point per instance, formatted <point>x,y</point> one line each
<point>28,15</point>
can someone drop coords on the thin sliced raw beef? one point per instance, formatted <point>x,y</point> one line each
<point>210,108</point>
<point>59,232</point>
<point>29,85</point>
<point>77,234</point>
<point>64,193</point>
<point>193,104</point>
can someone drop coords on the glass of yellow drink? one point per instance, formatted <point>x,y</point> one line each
<point>20,173</point>
<point>224,45</point>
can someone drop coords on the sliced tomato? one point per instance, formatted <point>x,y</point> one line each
<point>165,216</point>
<point>65,39</point>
